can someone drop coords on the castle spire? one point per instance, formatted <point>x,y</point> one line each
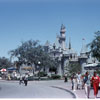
<point>57,41</point>
<point>69,43</point>
<point>84,48</point>
<point>63,29</point>
<point>62,37</point>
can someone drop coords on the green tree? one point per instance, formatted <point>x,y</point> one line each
<point>73,68</point>
<point>5,63</point>
<point>95,46</point>
<point>31,52</point>
<point>27,52</point>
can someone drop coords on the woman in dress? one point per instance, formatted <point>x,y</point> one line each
<point>95,82</point>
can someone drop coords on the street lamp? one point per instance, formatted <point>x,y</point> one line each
<point>39,68</point>
<point>39,62</point>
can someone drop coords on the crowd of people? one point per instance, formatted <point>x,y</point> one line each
<point>85,82</point>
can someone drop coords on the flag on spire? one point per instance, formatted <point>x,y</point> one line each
<point>83,39</point>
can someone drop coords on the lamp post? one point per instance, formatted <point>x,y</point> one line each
<point>39,68</point>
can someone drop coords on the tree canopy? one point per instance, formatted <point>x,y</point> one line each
<point>31,52</point>
<point>95,46</point>
<point>5,63</point>
<point>73,68</point>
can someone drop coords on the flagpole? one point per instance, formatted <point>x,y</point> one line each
<point>83,41</point>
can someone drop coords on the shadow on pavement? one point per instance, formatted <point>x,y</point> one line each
<point>74,96</point>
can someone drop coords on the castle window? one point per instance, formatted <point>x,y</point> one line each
<point>71,56</point>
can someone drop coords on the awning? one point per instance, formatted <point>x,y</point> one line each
<point>27,68</point>
<point>11,68</point>
<point>93,66</point>
<point>3,70</point>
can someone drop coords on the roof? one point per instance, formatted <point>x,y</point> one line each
<point>84,49</point>
<point>11,68</point>
<point>47,43</point>
<point>57,42</point>
<point>71,51</point>
<point>27,68</point>
<point>62,26</point>
<point>93,64</point>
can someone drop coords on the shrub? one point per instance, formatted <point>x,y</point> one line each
<point>35,78</point>
<point>55,76</point>
<point>14,78</point>
<point>42,74</point>
<point>44,78</point>
<point>30,78</point>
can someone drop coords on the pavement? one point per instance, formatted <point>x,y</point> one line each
<point>34,89</point>
<point>59,84</point>
<point>80,93</point>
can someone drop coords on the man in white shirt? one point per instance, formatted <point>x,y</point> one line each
<point>78,80</point>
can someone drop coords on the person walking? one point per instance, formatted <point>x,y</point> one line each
<point>9,78</point>
<point>78,76</point>
<point>21,79</point>
<point>95,82</point>
<point>82,81</point>
<point>87,84</point>
<point>72,77</point>
<point>26,80</point>
<point>73,81</point>
<point>65,77</point>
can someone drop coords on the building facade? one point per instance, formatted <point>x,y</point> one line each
<point>64,54</point>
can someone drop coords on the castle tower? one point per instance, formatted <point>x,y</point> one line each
<point>62,37</point>
<point>83,56</point>
<point>57,42</point>
<point>84,51</point>
<point>46,46</point>
<point>69,43</point>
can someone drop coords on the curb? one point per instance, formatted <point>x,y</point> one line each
<point>8,81</point>
<point>74,95</point>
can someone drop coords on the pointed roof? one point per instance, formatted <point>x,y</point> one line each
<point>62,26</point>
<point>57,42</point>
<point>84,49</point>
<point>63,29</point>
<point>71,51</point>
<point>69,43</point>
<point>47,43</point>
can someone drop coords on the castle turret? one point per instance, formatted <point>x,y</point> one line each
<point>62,31</point>
<point>62,37</point>
<point>69,43</point>
<point>46,46</point>
<point>84,51</point>
<point>57,42</point>
<point>83,56</point>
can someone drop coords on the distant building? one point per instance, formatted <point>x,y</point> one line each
<point>65,54</point>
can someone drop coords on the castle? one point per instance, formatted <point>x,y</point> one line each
<point>66,54</point>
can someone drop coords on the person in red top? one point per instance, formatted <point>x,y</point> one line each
<point>95,81</point>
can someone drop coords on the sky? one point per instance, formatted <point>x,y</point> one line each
<point>22,20</point>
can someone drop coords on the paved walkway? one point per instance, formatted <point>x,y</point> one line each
<point>67,87</point>
<point>34,89</point>
<point>78,93</point>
